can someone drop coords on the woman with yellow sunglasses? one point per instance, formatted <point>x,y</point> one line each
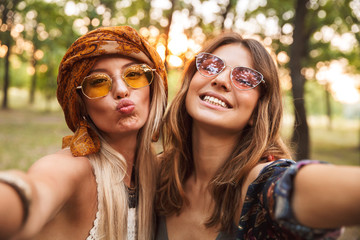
<point>112,86</point>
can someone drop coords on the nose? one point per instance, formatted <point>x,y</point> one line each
<point>223,80</point>
<point>120,89</point>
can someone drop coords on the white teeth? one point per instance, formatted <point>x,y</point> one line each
<point>215,101</point>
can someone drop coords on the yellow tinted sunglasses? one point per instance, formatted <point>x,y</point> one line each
<point>98,85</point>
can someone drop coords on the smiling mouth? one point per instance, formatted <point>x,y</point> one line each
<point>214,101</point>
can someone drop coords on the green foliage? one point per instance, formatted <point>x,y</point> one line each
<point>19,76</point>
<point>320,15</point>
<point>174,82</point>
<point>315,100</point>
<point>41,17</point>
<point>2,68</point>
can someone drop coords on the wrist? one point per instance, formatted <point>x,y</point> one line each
<point>22,188</point>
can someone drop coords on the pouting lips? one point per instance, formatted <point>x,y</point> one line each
<point>215,101</point>
<point>125,106</point>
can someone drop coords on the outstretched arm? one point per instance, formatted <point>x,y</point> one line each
<point>52,181</point>
<point>327,196</point>
<point>11,211</point>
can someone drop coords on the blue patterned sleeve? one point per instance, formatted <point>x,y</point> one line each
<point>283,212</point>
<point>266,211</point>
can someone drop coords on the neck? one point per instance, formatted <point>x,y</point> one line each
<point>210,151</point>
<point>125,144</point>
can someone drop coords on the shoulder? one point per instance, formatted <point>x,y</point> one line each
<point>61,164</point>
<point>263,171</point>
<point>63,159</point>
<point>268,169</point>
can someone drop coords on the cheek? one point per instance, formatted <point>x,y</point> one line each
<point>198,80</point>
<point>143,98</point>
<point>251,106</point>
<point>250,98</point>
<point>97,110</point>
<point>247,101</point>
<point>194,86</point>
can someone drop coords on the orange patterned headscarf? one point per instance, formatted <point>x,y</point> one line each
<point>76,64</point>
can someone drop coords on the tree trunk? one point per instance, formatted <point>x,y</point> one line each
<point>6,72</point>
<point>7,18</point>
<point>328,105</point>
<point>300,136</point>
<point>7,41</point>
<point>50,85</point>
<point>167,32</point>
<point>225,13</point>
<point>33,80</point>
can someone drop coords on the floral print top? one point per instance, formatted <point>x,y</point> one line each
<point>267,212</point>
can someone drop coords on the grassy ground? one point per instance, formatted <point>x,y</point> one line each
<point>26,135</point>
<point>339,144</point>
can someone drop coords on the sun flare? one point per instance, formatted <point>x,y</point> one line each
<point>345,87</point>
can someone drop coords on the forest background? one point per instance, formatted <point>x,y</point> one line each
<point>317,50</point>
<point>316,44</point>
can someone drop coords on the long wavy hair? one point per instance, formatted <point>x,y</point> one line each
<point>110,169</point>
<point>258,141</point>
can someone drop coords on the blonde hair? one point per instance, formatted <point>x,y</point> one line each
<point>257,141</point>
<point>110,169</point>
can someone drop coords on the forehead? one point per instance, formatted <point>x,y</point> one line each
<point>235,54</point>
<point>103,61</point>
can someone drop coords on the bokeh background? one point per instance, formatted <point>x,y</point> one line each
<point>316,48</point>
<point>314,42</point>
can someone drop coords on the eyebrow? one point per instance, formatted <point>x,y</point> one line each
<point>101,70</point>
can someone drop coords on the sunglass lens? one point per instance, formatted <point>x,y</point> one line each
<point>138,76</point>
<point>96,85</point>
<point>245,78</point>
<point>209,65</point>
